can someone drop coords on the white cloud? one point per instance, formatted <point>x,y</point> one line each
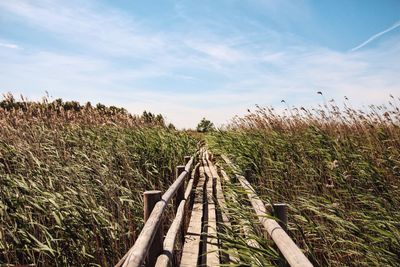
<point>108,31</point>
<point>217,51</point>
<point>224,76</point>
<point>9,45</point>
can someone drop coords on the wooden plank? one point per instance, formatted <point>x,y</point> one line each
<point>212,256</point>
<point>190,254</point>
<point>224,219</point>
<point>219,194</point>
<point>246,228</point>
<point>189,197</point>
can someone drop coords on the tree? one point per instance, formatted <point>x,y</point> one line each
<point>171,127</point>
<point>151,118</point>
<point>205,126</point>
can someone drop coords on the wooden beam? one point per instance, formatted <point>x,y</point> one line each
<point>180,193</point>
<point>224,219</point>
<point>287,247</point>
<point>177,226</point>
<point>171,191</point>
<point>170,239</point>
<point>212,256</point>
<point>245,227</point>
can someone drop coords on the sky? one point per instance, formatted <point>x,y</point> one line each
<point>195,59</point>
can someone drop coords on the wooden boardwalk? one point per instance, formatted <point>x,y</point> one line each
<point>201,243</point>
<point>193,237</point>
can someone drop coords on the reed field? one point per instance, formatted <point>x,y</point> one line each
<point>72,177</point>
<point>338,169</point>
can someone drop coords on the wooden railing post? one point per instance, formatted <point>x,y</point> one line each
<point>187,158</point>
<point>292,253</point>
<point>280,212</point>
<point>149,243</point>
<point>156,248</point>
<point>248,174</point>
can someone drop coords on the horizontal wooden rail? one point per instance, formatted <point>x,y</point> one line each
<point>178,182</point>
<point>137,254</point>
<point>170,239</point>
<point>177,225</point>
<point>246,228</point>
<point>287,247</point>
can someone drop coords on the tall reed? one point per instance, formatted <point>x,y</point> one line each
<point>71,180</point>
<point>338,169</point>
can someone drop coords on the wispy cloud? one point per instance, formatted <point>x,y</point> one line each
<point>9,45</point>
<point>375,36</point>
<point>217,51</point>
<point>186,75</point>
<point>90,27</point>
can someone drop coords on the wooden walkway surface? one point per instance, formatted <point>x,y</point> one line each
<point>201,243</point>
<point>194,236</point>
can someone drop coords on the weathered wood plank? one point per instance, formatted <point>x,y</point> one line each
<point>246,228</point>
<point>224,219</point>
<point>171,191</point>
<point>190,254</point>
<point>212,256</point>
<point>288,248</point>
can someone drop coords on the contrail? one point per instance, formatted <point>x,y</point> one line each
<point>373,37</point>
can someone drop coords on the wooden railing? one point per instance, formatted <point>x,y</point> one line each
<point>152,249</point>
<point>149,246</point>
<point>277,231</point>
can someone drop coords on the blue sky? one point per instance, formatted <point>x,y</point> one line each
<point>194,59</point>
